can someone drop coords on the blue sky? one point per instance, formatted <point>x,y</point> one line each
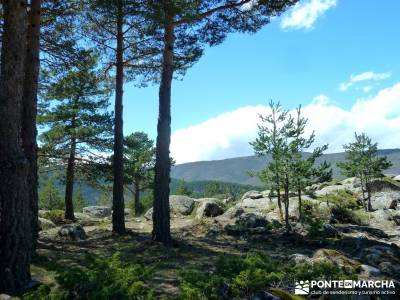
<point>340,57</point>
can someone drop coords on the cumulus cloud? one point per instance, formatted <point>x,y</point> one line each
<point>305,13</point>
<point>321,99</point>
<point>229,134</point>
<point>362,77</point>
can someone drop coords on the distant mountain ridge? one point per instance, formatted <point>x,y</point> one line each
<point>236,170</point>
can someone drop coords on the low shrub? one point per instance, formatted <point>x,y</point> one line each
<point>345,208</point>
<point>103,278</point>
<point>313,217</point>
<point>56,216</point>
<point>242,277</point>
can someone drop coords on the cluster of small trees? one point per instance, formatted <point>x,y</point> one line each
<point>141,41</point>
<point>282,136</point>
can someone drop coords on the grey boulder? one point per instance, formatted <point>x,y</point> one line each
<point>97,211</point>
<point>74,232</point>
<point>252,195</point>
<point>208,209</point>
<point>45,224</point>
<point>181,204</point>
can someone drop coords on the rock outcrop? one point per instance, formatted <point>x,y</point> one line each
<point>252,195</point>
<point>181,204</point>
<point>208,209</point>
<point>97,211</point>
<point>45,224</point>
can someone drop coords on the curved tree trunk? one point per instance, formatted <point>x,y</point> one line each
<point>69,185</point>
<point>29,110</point>
<point>15,219</point>
<point>161,217</point>
<point>118,218</point>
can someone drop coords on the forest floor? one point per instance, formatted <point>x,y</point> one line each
<point>198,246</point>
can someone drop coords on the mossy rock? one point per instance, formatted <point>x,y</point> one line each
<point>338,259</point>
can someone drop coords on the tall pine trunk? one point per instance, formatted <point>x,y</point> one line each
<point>137,196</point>
<point>29,110</point>
<point>161,217</point>
<point>15,218</point>
<point>118,218</point>
<point>69,185</point>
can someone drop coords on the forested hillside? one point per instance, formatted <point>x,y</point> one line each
<point>236,169</point>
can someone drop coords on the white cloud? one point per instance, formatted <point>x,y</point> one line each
<point>229,134</point>
<point>367,88</point>
<point>366,76</point>
<point>320,99</point>
<point>305,13</point>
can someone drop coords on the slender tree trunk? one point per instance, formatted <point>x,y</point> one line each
<point>300,208</point>
<point>15,219</point>
<point>29,110</point>
<point>287,224</point>
<point>363,194</point>
<point>118,218</point>
<point>368,187</point>
<point>137,196</point>
<point>69,185</point>
<point>161,217</point>
<point>278,190</point>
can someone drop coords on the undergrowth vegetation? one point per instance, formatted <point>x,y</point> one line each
<point>102,278</point>
<point>55,215</point>
<point>345,208</point>
<point>231,277</point>
<point>243,277</point>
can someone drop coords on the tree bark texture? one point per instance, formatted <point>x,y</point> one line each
<point>161,213</point>
<point>15,217</point>
<point>29,109</point>
<point>118,218</point>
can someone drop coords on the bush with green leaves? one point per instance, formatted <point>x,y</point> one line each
<point>50,196</point>
<point>55,215</point>
<point>314,218</point>
<point>103,278</point>
<point>345,208</point>
<point>240,277</point>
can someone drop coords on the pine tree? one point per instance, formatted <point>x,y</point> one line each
<point>29,109</point>
<point>187,28</point>
<point>303,169</point>
<point>271,140</point>
<point>283,137</point>
<point>182,189</point>
<point>16,236</point>
<point>363,162</point>
<point>50,197</point>
<point>139,156</point>
<point>75,111</point>
<point>128,43</point>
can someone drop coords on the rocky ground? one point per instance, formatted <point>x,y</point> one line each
<point>367,243</point>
